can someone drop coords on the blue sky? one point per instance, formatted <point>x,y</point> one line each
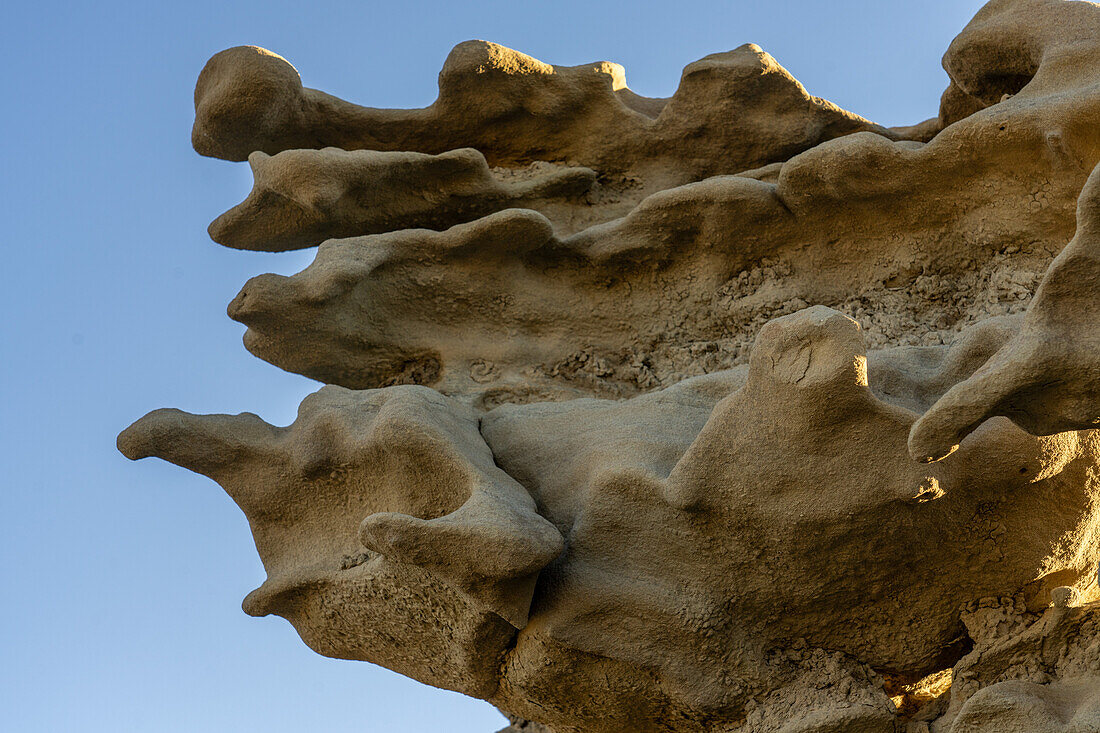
<point>122,581</point>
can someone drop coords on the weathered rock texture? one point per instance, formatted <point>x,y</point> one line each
<point>624,394</point>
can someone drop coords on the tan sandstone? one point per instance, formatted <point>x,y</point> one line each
<point>728,412</point>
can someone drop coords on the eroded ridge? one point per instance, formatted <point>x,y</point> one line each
<point>612,291</point>
<point>550,131</point>
<point>779,493</point>
<point>303,197</point>
<point>732,111</point>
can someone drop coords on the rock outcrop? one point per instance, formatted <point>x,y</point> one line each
<point>731,411</point>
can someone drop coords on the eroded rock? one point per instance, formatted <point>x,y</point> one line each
<point>621,392</point>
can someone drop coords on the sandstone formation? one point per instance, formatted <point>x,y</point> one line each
<point>730,412</point>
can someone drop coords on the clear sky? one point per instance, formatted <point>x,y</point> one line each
<point>122,582</point>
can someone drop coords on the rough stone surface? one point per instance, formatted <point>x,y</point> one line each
<point>729,412</point>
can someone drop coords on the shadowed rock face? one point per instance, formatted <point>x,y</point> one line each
<point>382,522</point>
<point>623,394</point>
